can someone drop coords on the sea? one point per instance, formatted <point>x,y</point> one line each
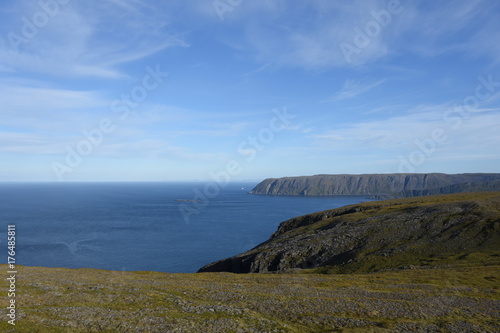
<point>133,226</point>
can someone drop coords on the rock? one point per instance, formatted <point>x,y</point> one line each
<point>379,185</point>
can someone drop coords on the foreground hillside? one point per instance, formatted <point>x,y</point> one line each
<point>380,185</point>
<point>457,229</point>
<point>419,300</point>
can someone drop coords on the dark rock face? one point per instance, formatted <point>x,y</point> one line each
<point>380,185</point>
<point>379,235</point>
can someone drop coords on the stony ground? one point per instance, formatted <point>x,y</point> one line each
<point>413,300</point>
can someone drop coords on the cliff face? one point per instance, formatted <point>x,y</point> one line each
<point>383,185</point>
<point>438,230</point>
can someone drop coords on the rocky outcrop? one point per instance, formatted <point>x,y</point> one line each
<point>372,236</point>
<point>379,185</point>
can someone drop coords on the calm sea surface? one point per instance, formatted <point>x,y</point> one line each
<point>139,226</point>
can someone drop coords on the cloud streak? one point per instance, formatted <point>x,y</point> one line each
<point>354,88</point>
<point>400,133</point>
<point>89,41</point>
<point>315,44</point>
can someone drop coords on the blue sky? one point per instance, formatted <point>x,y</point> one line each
<point>139,90</point>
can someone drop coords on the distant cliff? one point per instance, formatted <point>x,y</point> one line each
<point>379,185</point>
<point>432,231</point>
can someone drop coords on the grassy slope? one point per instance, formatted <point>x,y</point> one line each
<point>487,253</point>
<point>87,300</point>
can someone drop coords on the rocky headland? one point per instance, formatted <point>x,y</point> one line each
<point>379,185</point>
<point>430,231</point>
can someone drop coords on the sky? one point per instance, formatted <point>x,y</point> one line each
<point>236,90</point>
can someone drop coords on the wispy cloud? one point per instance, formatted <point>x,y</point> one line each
<point>88,41</point>
<point>354,88</point>
<point>397,134</point>
<point>315,44</point>
<point>35,106</point>
<point>15,98</point>
<point>444,28</point>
